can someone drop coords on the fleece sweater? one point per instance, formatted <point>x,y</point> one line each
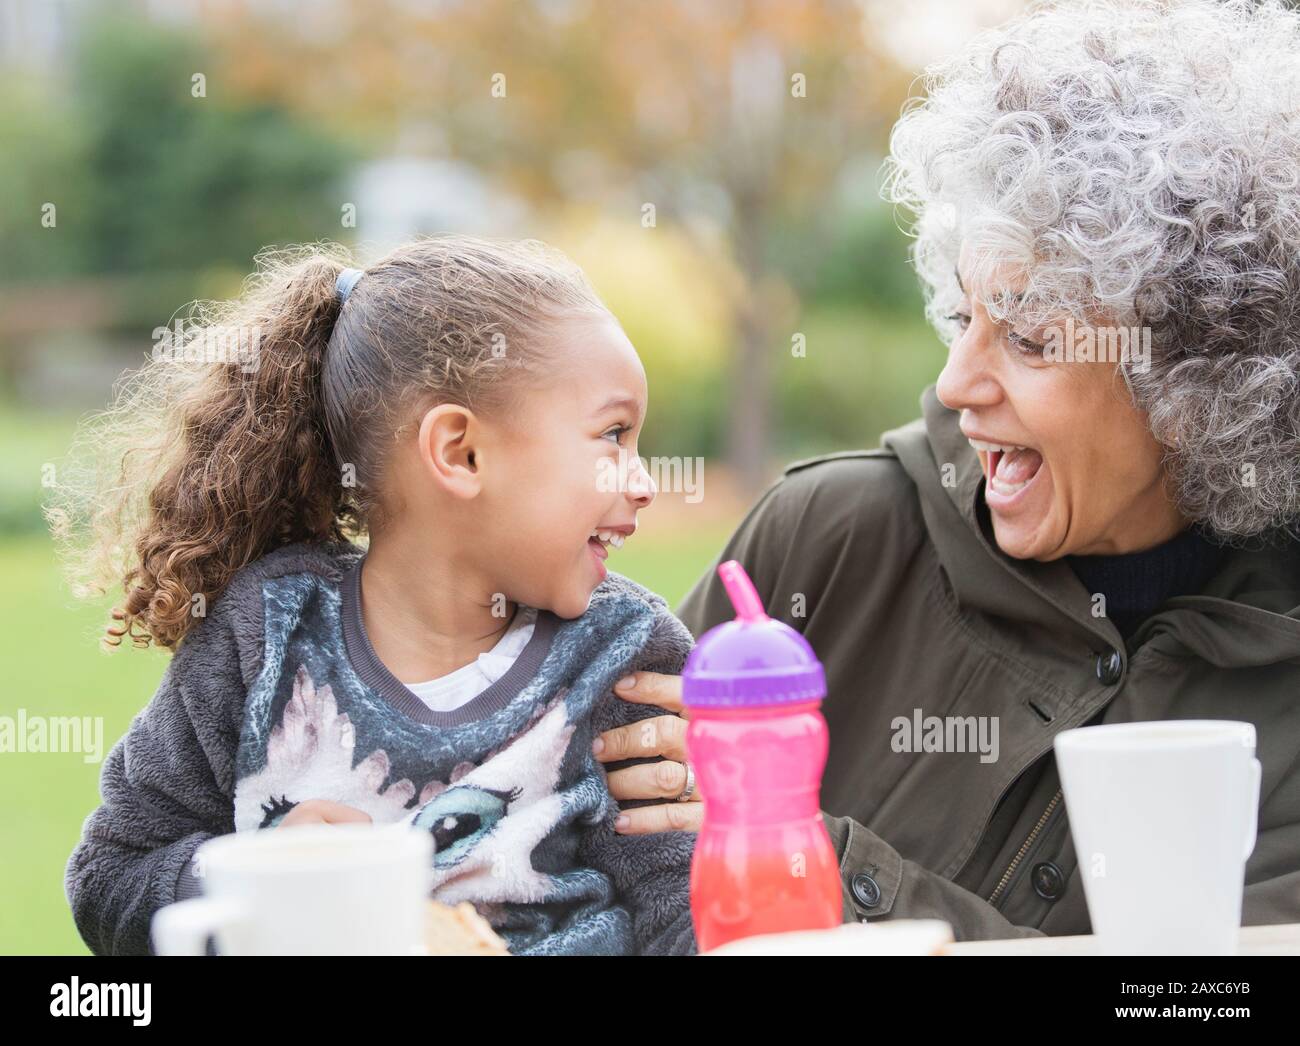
<point>277,697</point>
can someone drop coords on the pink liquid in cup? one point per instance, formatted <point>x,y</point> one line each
<point>757,740</point>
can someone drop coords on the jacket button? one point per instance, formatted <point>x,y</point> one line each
<point>1110,667</point>
<point>1048,880</point>
<point>866,890</point>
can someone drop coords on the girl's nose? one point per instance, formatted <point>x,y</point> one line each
<point>641,489</point>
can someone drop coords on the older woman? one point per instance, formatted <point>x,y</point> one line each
<point>1094,520</point>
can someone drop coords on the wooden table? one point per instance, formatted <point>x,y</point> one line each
<point>1283,939</point>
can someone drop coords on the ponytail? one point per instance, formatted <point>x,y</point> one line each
<point>218,453</point>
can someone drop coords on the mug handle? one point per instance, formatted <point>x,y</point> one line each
<point>183,928</point>
<point>1252,816</point>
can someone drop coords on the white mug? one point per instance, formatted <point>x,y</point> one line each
<point>1163,815</point>
<point>321,889</point>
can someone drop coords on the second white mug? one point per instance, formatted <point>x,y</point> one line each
<point>1163,816</point>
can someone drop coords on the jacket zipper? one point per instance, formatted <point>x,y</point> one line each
<point>1024,848</point>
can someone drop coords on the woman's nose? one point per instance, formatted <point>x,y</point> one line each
<point>966,380</point>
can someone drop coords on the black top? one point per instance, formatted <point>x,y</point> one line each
<point>1137,583</point>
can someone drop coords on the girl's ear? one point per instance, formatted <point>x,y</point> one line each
<point>446,449</point>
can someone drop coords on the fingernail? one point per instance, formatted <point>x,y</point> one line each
<point>597,746</point>
<point>622,821</point>
<point>625,683</point>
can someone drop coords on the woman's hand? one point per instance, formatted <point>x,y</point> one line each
<point>663,735</point>
<point>323,811</point>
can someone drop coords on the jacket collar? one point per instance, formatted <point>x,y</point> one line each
<point>1248,614</point>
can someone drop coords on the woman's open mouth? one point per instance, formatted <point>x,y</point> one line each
<point>1009,470</point>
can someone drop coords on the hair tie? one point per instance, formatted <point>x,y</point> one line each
<point>346,281</point>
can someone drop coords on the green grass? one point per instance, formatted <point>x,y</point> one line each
<point>53,666</point>
<point>34,443</point>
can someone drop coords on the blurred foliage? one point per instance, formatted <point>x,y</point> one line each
<point>862,262</point>
<point>44,161</point>
<point>769,223</point>
<point>179,181</point>
<point>149,179</point>
<point>863,373</point>
<point>733,117</point>
<point>869,352</point>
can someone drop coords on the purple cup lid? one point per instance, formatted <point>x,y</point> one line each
<point>752,661</point>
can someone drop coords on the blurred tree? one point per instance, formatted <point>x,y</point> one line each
<point>179,181</point>
<point>42,183</point>
<point>152,187</point>
<point>734,115</point>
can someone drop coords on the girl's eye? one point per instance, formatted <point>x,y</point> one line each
<point>617,432</point>
<point>963,320</point>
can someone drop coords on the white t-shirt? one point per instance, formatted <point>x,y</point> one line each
<point>466,683</point>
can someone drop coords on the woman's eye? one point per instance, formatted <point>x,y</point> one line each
<point>1026,347</point>
<point>962,319</point>
<point>617,432</point>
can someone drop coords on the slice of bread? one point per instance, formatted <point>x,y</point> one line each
<point>460,930</point>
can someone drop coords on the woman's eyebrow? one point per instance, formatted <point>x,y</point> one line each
<point>1012,298</point>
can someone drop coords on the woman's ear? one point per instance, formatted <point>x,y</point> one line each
<point>446,448</point>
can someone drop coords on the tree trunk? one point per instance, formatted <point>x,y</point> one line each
<point>749,423</point>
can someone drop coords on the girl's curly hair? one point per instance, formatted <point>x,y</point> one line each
<point>267,420</point>
<point>1137,160</point>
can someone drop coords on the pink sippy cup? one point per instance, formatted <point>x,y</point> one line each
<point>757,741</point>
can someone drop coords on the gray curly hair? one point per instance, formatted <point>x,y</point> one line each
<point>1135,160</point>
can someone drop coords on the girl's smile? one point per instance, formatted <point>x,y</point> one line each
<point>600,540</point>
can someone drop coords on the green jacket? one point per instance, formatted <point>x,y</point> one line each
<point>885,561</point>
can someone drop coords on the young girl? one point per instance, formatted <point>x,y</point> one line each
<point>463,403</point>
